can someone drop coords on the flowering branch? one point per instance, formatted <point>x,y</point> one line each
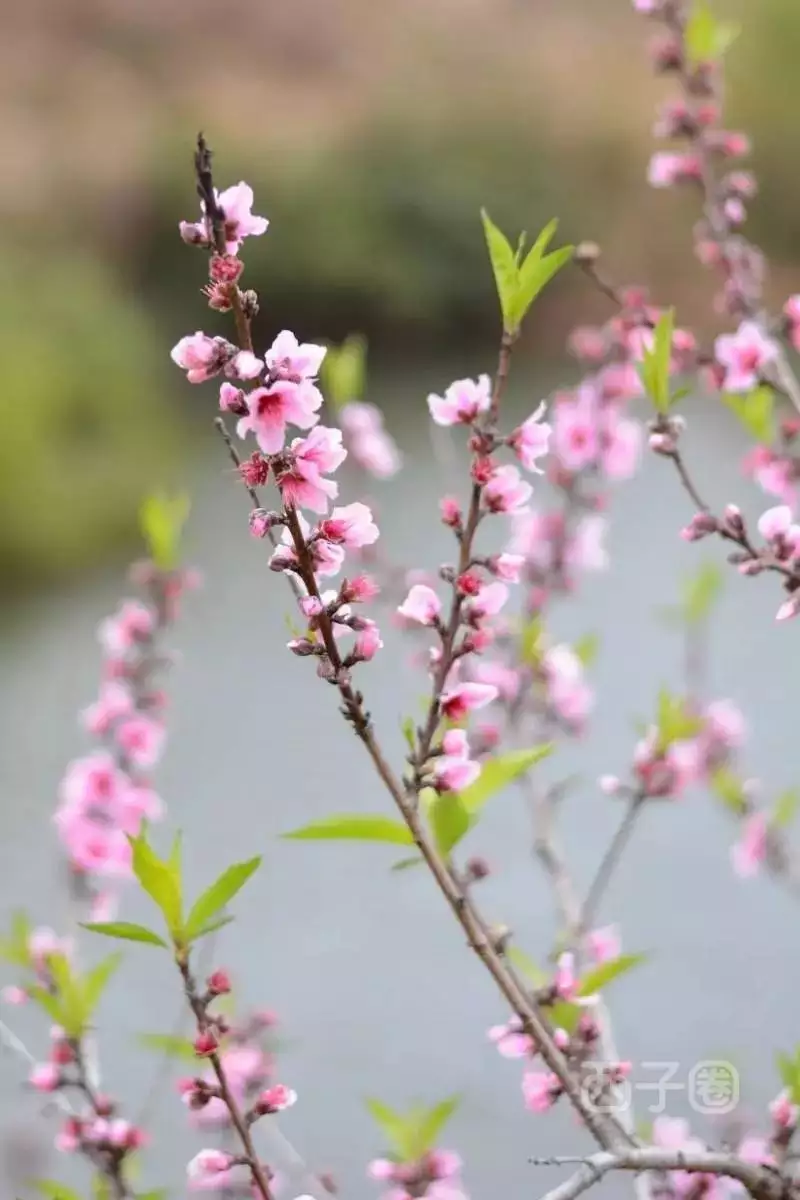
<point>763,1183</point>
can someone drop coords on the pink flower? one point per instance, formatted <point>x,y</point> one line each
<point>368,642</point>
<point>755,1149</point>
<point>566,982</point>
<point>92,782</point>
<point>114,701</point>
<point>454,770</point>
<point>68,1138</point>
<point>539,1090</point>
<point>667,168</point>
<point>421,605</point>
<point>208,1162</point>
<point>783,1112</point>
<point>567,691</point>
<point>243,365</point>
<point>744,355</point>
<point>508,566</point>
<point>458,699</point>
<point>666,774</point>
<point>751,851</point>
<point>604,944</point>
<point>776,526</point>
<point>239,222</point>
<point>272,408</point>
<point>792,310</point>
<point>13,995</point>
<point>725,723</point>
<point>506,491</point>
<point>462,402</point>
<point>275,1099</point>
<point>142,740</point>
<point>506,679</point>
<point>382,1169</point>
<point>371,446</point>
<point>43,943</point>
<point>202,357</point>
<point>531,440</point>
<point>511,1042</point>
<point>131,625</point>
<point>774,473</point>
<point>586,549</point>
<point>304,485</point>
<point>575,438</point>
<point>488,602</point>
<point>44,1077</point>
<point>351,525</point>
<point>620,444</point>
<point>94,848</point>
<point>289,359</point>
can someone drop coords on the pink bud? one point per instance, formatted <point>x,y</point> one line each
<point>219,983</point>
<point>609,784</point>
<point>44,1077</point>
<point>275,1099</point>
<point>450,511</point>
<point>205,1043</point>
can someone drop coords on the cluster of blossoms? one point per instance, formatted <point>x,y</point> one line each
<point>105,795</point>
<point>542,1089</point>
<point>434,1176</point>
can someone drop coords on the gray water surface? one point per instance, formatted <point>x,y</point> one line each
<point>376,990</point>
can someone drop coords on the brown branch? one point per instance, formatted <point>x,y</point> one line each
<point>763,1183</point>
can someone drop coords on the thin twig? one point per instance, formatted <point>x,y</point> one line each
<point>609,863</point>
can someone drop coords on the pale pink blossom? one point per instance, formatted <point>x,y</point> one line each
<point>208,1162</point>
<point>271,409</point>
<point>668,773</point>
<point>351,525</point>
<point>604,944</point>
<point>783,1112</point>
<point>488,602</point>
<point>667,168</point>
<point>94,848</point>
<point>236,204</point>
<point>586,548</point>
<point>68,1138</point>
<point>566,981</point>
<point>43,943</point>
<point>506,679</point>
<point>114,701</point>
<point>13,995</point>
<point>620,444</point>
<point>506,491</point>
<point>44,1077</point>
<point>776,526</point>
<point>567,691</point>
<point>243,365</point>
<point>421,605</point>
<point>368,642</point>
<point>92,782</point>
<point>539,1090</point>
<point>141,739</point>
<point>508,567</point>
<point>453,770</point>
<point>304,485</point>
<point>458,699</point>
<point>276,1098</point>
<point>751,850</point>
<point>368,441</point>
<point>575,434</point>
<point>289,359</point>
<point>130,626</point>
<point>510,1039</point>
<point>531,440</point>
<point>231,399</point>
<point>744,355</point>
<point>773,472</point>
<point>463,401</point>
<point>725,723</point>
<point>200,356</point>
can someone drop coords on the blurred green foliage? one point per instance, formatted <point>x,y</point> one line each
<point>84,426</point>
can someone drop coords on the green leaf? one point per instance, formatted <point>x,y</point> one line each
<point>161,881</point>
<point>343,371</point>
<point>789,1071</point>
<point>497,773</point>
<point>729,789</point>
<point>14,948</point>
<point>536,272</point>
<point>599,977</point>
<point>355,827</point>
<point>169,1046</point>
<point>409,733</point>
<point>531,642</point>
<point>708,39</point>
<point>756,412</point>
<point>786,807</point>
<point>50,1003</point>
<point>394,1127</point>
<point>526,966</point>
<point>700,593</point>
<point>53,1190</point>
<point>587,648</point>
<point>504,267</point>
<point>158,1194</point>
<point>654,369</point>
<point>71,998</point>
<point>212,927</point>
<point>162,519</point>
<point>220,893</point>
<point>404,864</point>
<point>100,1188</point>
<point>675,723</point>
<point>430,1124</point>
<point>565,1015</point>
<point>95,981</point>
<point>126,931</point>
<point>449,820</point>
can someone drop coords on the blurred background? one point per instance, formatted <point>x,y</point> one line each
<point>372,134</point>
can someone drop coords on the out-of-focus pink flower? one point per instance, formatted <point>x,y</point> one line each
<point>208,1163</point>
<point>68,1138</point>
<point>575,434</point>
<point>566,982</point>
<point>463,401</point>
<point>777,527</point>
<point>11,994</point>
<point>43,943</point>
<point>531,440</point>
<point>586,548</point>
<point>751,851</point>
<point>506,491</point>
<point>131,625</point>
<point>783,1112</point>
<point>304,485</point>
<point>510,1039</point>
<point>351,525</point>
<point>506,679</point>
<point>44,1077</point>
<point>488,602</point>
<point>272,409</point>
<point>744,355</point>
<point>93,782</point>
<point>275,1099</point>
<point>114,701</point>
<point>368,441</point>
<point>604,944</point>
<point>421,605</point>
<point>667,774</point>
<point>141,739</point>
<point>507,567</point>
<point>725,723</point>
<point>774,473</point>
<point>94,848</point>
<point>289,359</point>
<point>620,444</point>
<point>368,642</point>
<point>454,770</point>
<point>667,168</point>
<point>567,691</point>
<point>539,1090</point>
<point>458,699</point>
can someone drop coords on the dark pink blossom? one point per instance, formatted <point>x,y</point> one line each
<point>304,484</point>
<point>271,409</point>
